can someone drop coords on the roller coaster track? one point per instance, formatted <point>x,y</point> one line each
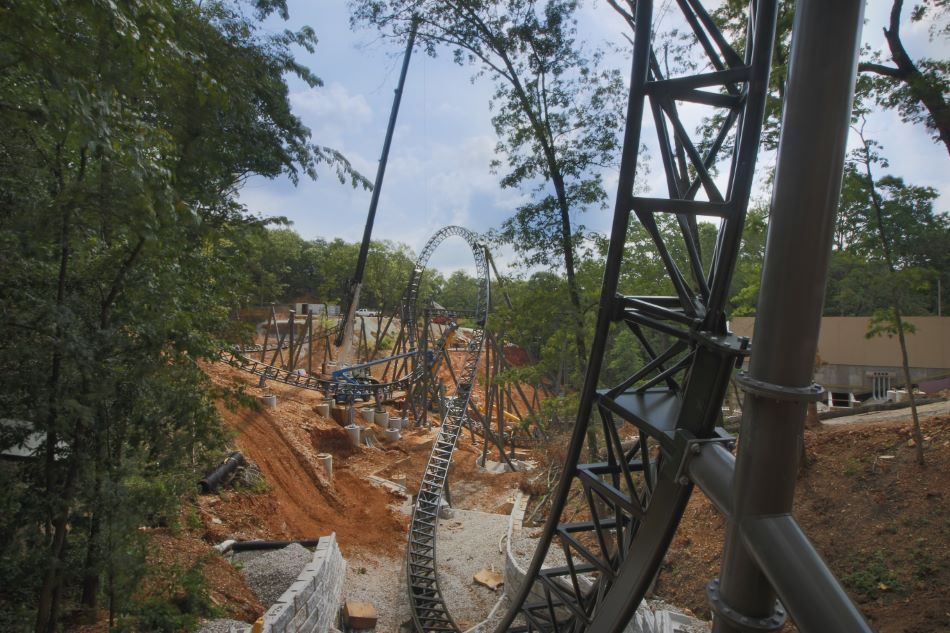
<point>429,612</point>
<point>273,347</point>
<point>236,356</point>
<point>633,501</point>
<point>323,385</point>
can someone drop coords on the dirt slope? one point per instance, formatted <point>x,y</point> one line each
<point>879,520</point>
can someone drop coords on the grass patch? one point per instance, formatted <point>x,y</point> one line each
<point>870,575</point>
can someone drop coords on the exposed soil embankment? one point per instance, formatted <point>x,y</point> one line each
<point>881,522</point>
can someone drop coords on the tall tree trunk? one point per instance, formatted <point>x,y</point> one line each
<point>898,316</point>
<point>917,432</point>
<point>48,602</point>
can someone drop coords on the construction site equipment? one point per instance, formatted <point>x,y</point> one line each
<point>352,297</point>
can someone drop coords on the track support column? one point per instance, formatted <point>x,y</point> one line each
<point>820,89</point>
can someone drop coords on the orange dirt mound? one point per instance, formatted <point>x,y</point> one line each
<point>307,504</point>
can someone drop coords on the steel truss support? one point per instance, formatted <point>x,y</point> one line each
<point>635,497</point>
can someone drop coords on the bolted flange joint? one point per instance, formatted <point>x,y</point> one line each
<point>740,622</point>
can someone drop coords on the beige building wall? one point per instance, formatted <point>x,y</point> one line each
<point>842,342</point>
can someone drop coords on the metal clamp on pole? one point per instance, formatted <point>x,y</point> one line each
<point>688,446</point>
<point>812,393</point>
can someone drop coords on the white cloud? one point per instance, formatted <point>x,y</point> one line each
<point>332,101</point>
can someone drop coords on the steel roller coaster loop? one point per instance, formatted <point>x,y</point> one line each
<point>429,612</point>
<point>634,499</point>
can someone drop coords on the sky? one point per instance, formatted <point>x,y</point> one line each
<point>438,170</point>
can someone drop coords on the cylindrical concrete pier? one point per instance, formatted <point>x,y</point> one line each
<point>354,432</point>
<point>326,460</point>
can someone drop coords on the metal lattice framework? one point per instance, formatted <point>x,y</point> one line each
<point>633,500</point>
<point>429,612</point>
<point>237,357</point>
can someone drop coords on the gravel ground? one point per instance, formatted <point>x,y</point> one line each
<point>523,546</point>
<point>220,626</point>
<point>935,408</point>
<point>270,573</point>
<point>380,581</point>
<point>468,542</point>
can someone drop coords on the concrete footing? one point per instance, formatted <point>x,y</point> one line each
<point>354,432</point>
<point>326,461</point>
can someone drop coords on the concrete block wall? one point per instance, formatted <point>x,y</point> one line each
<point>312,603</point>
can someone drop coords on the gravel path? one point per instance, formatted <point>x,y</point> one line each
<point>222,625</point>
<point>927,410</point>
<point>382,582</point>
<point>468,542</point>
<point>270,573</point>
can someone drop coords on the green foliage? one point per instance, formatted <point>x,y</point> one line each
<point>889,77</point>
<point>128,128</point>
<point>178,604</point>
<point>890,245</point>
<point>870,575</point>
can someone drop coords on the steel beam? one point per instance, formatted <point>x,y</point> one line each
<point>820,89</point>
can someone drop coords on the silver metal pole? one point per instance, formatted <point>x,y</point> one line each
<point>820,89</point>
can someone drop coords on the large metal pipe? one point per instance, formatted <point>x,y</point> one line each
<point>820,89</point>
<point>220,474</point>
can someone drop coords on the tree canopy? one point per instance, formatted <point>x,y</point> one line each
<point>556,113</point>
<point>128,128</point>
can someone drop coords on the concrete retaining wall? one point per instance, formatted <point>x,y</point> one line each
<point>514,574</point>
<point>312,603</point>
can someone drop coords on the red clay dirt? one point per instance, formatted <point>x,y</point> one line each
<point>302,502</point>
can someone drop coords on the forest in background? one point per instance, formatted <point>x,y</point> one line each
<point>129,129</point>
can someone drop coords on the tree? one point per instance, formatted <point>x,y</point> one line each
<point>460,291</point>
<point>894,213</point>
<point>127,129</point>
<point>556,112</point>
<point>917,89</point>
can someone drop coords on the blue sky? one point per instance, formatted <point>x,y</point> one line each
<point>438,171</point>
